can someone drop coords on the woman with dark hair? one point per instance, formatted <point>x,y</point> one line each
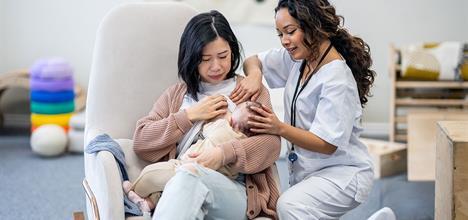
<point>209,54</point>
<point>326,75</point>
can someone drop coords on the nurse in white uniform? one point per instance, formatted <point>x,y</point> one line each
<point>326,76</point>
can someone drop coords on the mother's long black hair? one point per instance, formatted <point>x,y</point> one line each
<point>201,30</point>
<point>318,21</point>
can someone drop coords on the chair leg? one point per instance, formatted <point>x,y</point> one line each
<point>91,198</point>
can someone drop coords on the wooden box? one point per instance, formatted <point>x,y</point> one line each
<point>451,185</point>
<point>422,132</point>
<point>389,158</point>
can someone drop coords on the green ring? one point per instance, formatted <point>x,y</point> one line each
<point>51,108</point>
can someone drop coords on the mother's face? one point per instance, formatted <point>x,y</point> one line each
<point>216,61</point>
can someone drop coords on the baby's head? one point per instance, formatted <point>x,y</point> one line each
<point>240,117</point>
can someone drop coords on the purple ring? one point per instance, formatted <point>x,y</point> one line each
<point>36,68</point>
<point>55,68</point>
<point>51,85</point>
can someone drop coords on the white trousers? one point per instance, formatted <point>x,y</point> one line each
<point>319,198</point>
<point>201,194</point>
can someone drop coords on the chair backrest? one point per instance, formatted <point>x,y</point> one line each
<point>135,60</point>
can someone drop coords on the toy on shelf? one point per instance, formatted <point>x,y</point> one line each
<point>433,61</point>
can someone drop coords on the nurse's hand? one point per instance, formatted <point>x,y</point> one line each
<point>267,122</point>
<point>207,108</point>
<point>210,157</point>
<point>248,88</point>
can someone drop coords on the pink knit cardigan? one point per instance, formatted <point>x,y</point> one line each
<point>157,133</point>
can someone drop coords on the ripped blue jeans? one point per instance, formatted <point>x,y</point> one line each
<point>196,192</point>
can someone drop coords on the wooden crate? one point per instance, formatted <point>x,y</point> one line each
<point>422,132</point>
<point>389,158</point>
<point>451,185</point>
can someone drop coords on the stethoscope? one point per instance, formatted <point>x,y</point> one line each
<point>292,154</point>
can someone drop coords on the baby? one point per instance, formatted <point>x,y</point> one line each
<point>147,188</point>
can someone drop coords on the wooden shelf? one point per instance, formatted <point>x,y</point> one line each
<point>431,102</point>
<point>400,119</point>
<point>431,84</point>
<point>401,137</point>
<point>398,67</point>
<point>424,96</point>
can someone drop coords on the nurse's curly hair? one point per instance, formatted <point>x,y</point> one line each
<point>319,21</point>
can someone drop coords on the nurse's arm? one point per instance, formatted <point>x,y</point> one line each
<point>253,67</point>
<point>250,87</point>
<point>305,139</point>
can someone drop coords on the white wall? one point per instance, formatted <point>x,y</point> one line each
<point>466,17</point>
<point>46,28</point>
<point>238,11</point>
<point>2,18</point>
<point>382,22</point>
<point>33,29</point>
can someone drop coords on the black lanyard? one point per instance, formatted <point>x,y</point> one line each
<point>292,155</point>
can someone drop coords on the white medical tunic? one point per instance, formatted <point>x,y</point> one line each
<point>330,108</point>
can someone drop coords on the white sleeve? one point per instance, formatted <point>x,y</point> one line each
<point>336,113</point>
<point>276,66</point>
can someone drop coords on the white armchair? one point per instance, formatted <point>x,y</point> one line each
<point>135,59</point>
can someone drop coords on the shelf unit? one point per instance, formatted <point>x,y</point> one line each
<point>413,96</point>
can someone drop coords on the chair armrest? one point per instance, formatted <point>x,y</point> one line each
<point>104,181</point>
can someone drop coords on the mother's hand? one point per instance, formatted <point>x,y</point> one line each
<point>207,108</point>
<point>210,157</point>
<point>247,88</point>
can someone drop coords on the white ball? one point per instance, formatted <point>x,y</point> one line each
<point>49,140</point>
